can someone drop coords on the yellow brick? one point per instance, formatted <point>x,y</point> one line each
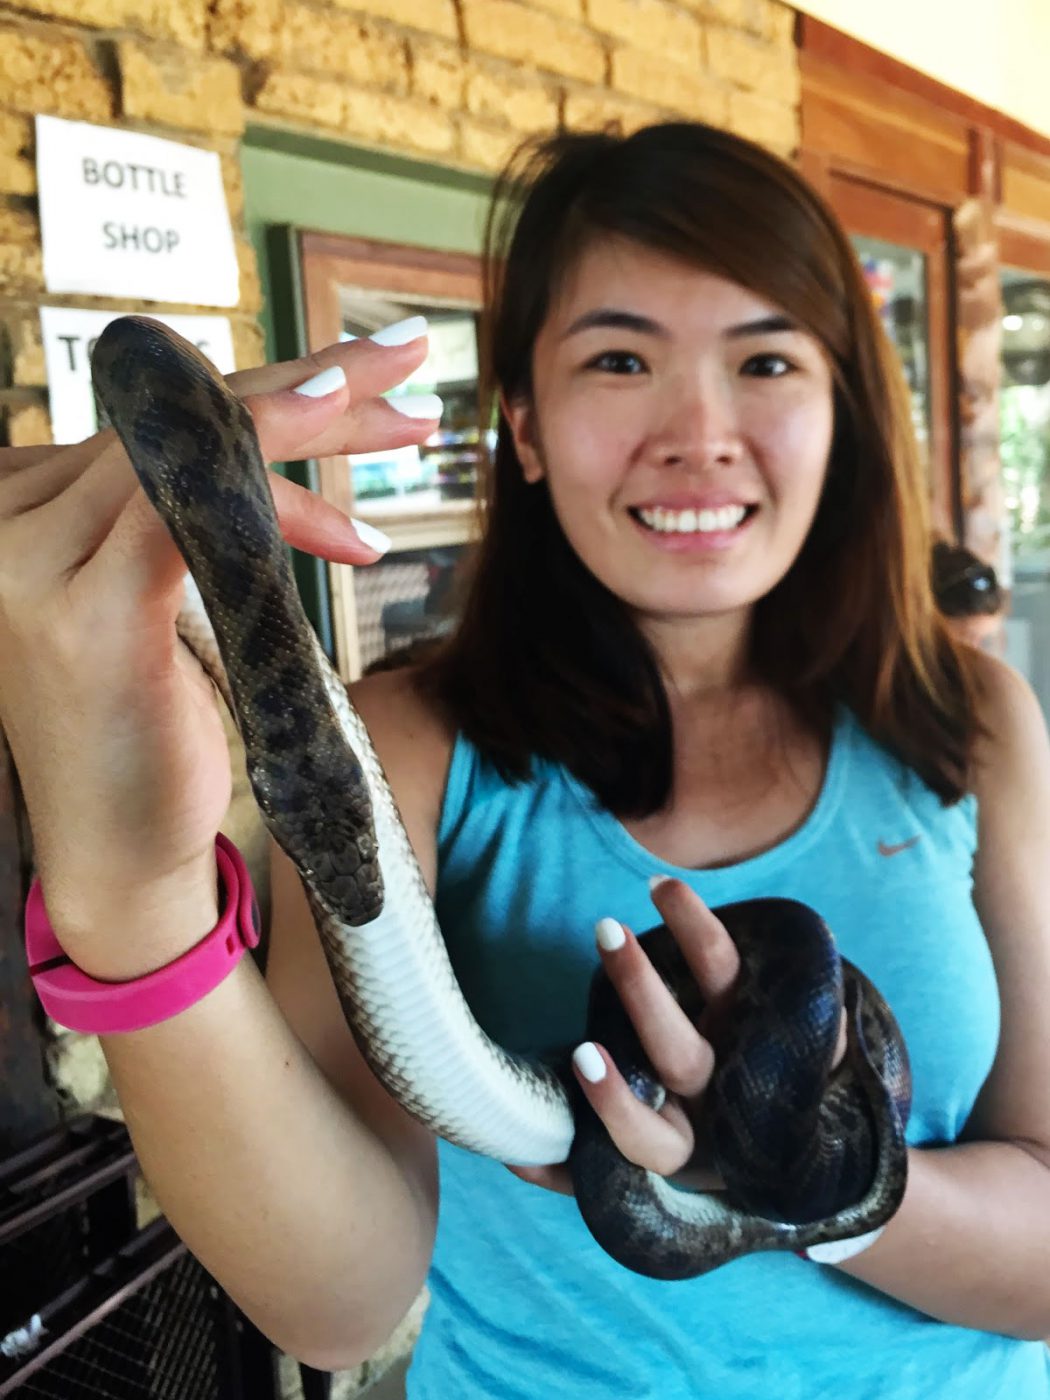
<point>247,27</point>
<point>772,124</point>
<point>17,174</point>
<point>374,117</point>
<point>18,227</point>
<point>311,41</point>
<point>53,75</point>
<point>251,298</point>
<point>26,353</point>
<point>777,23</point>
<point>28,426</point>
<point>539,40</point>
<point>180,20</point>
<point>437,17</point>
<point>233,184</point>
<point>770,19</point>
<point>16,134</point>
<point>568,9</point>
<point>511,101</point>
<point>438,73</point>
<point>17,168</point>
<point>486,147</point>
<point>315,100</point>
<point>749,63</point>
<point>173,89</point>
<point>391,121</point>
<point>593,111</point>
<point>652,25</point>
<point>249,344</point>
<point>690,93</point>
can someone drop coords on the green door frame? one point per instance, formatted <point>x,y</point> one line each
<point>294,182</point>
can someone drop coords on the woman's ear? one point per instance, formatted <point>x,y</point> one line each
<point>519,416</point>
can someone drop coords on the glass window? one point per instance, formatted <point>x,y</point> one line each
<point>1025,414</point>
<point>896,276</point>
<point>441,474</point>
<point>1024,444</point>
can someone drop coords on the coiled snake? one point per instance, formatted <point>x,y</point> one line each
<point>807,1155</point>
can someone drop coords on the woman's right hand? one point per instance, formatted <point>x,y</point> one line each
<point>112,723</point>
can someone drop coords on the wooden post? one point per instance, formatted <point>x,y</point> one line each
<point>979,305</point>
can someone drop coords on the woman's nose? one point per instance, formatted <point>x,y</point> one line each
<point>698,426</point>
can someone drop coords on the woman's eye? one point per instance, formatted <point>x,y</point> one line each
<point>618,362</point>
<point>767,366</point>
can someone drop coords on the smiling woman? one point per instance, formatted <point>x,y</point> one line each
<point>652,355</point>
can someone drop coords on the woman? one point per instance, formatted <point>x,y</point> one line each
<point>699,645</point>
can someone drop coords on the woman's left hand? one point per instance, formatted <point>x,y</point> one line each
<point>669,1141</point>
<point>662,1141</point>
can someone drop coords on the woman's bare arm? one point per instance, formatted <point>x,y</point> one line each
<point>971,1241</point>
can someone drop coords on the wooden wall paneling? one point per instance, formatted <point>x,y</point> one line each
<point>1025,189</point>
<point>1022,248</point>
<point>874,131</point>
<point>858,61</point>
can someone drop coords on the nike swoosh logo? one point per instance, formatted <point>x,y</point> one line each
<point>885,850</point>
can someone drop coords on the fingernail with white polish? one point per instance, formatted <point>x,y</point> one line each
<point>588,1061</point>
<point>417,405</point>
<point>327,382</point>
<point>401,332</point>
<point>610,935</point>
<point>655,881</point>
<point>369,535</point>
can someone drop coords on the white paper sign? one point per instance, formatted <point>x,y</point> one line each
<point>69,337</point>
<point>128,215</point>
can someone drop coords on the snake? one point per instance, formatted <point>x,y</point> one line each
<point>809,1151</point>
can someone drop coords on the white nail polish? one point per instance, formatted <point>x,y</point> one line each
<point>417,405</point>
<point>610,935</point>
<point>655,881</point>
<point>589,1062</point>
<point>369,535</point>
<point>401,332</point>
<point>324,383</point>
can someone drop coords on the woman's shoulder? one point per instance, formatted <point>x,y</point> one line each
<point>1011,727</point>
<point>413,738</point>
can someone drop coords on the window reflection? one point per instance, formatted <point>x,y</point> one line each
<point>896,276</point>
<point>1025,414</point>
<point>440,475</point>
<point>1024,444</point>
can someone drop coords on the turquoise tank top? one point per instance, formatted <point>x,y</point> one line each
<point>524,1305</point>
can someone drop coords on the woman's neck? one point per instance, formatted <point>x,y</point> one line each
<point>701,659</point>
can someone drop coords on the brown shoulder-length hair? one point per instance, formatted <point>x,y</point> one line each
<point>546,662</point>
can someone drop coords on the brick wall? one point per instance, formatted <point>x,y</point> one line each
<point>454,81</point>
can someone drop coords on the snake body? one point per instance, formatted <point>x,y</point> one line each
<point>807,1156</point>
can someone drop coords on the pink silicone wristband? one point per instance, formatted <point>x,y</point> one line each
<point>83,1003</point>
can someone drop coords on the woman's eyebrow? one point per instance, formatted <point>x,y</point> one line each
<point>764,325</point>
<point>610,318</point>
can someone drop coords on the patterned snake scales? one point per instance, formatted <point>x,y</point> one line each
<point>807,1155</point>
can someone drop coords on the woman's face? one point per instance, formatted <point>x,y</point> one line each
<point>683,426</point>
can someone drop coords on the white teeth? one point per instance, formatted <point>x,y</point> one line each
<point>691,522</point>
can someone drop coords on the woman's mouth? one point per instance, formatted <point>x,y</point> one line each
<point>718,520</point>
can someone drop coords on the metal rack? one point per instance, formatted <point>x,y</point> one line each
<point>92,1307</point>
